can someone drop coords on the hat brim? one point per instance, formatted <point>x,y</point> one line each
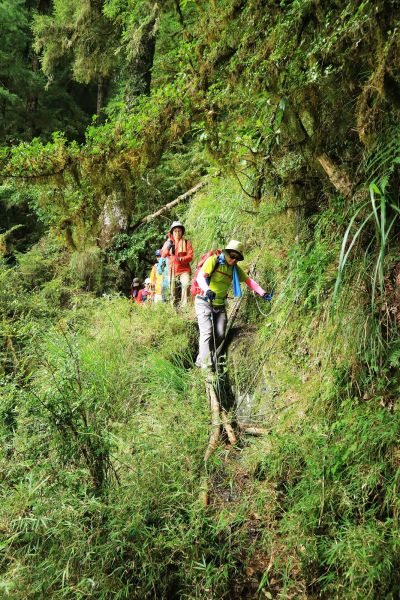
<point>178,227</point>
<point>234,250</point>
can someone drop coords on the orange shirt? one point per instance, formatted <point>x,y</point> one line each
<point>180,261</point>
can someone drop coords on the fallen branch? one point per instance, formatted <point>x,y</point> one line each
<point>204,497</point>
<point>168,206</point>
<point>251,430</point>
<point>338,178</point>
<point>215,421</point>
<point>228,428</point>
<point>218,416</point>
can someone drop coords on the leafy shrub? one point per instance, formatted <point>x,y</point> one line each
<point>107,452</point>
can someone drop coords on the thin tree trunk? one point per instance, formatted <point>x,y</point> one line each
<point>100,94</point>
<point>141,65</point>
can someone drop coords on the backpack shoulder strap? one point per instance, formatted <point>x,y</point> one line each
<point>217,253</point>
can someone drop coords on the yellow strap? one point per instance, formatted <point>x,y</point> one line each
<point>182,246</point>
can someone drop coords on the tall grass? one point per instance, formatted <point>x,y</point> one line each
<point>101,497</point>
<point>383,213</point>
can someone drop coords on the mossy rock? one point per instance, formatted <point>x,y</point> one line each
<point>289,165</point>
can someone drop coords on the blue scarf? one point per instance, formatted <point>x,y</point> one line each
<point>237,292</point>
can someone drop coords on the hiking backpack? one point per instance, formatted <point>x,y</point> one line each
<point>195,288</point>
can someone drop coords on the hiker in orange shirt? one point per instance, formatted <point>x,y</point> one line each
<point>180,254</point>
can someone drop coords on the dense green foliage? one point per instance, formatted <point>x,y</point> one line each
<point>29,107</point>
<point>288,111</point>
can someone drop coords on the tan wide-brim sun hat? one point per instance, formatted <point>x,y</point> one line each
<point>235,246</point>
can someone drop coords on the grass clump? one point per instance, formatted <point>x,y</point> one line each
<point>101,498</point>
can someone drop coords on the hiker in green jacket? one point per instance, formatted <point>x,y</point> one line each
<point>214,280</point>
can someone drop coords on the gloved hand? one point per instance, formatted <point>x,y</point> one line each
<point>210,295</point>
<point>268,297</point>
<point>171,246</point>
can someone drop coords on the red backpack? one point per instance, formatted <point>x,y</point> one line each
<point>195,288</point>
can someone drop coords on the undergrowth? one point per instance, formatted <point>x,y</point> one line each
<point>101,497</point>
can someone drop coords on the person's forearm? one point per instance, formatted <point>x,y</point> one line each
<point>253,285</point>
<point>201,280</point>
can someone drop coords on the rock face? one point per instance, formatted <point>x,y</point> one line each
<point>113,220</point>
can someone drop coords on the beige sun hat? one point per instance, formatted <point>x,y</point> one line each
<point>235,246</point>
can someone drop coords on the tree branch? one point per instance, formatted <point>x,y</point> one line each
<point>168,206</point>
<point>37,175</point>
